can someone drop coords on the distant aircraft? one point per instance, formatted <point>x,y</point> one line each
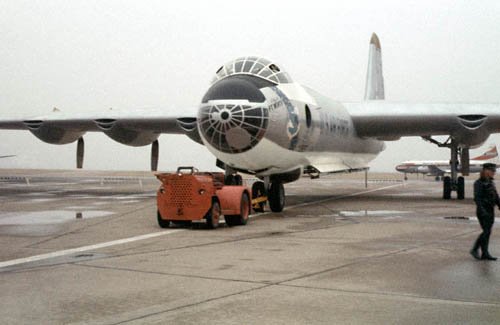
<point>255,119</point>
<point>7,156</point>
<point>439,168</point>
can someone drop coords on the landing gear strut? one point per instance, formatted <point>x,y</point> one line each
<point>453,182</point>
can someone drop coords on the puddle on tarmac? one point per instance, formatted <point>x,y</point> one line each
<point>369,213</point>
<point>40,200</point>
<point>466,218</point>
<point>405,194</point>
<point>344,215</point>
<point>48,217</point>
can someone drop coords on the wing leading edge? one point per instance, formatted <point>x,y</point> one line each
<point>470,124</point>
<point>137,128</point>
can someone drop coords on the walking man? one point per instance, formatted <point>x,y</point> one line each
<point>486,198</point>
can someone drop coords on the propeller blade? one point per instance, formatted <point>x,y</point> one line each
<point>79,152</point>
<point>155,148</point>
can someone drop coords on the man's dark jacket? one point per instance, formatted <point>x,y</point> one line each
<point>486,197</point>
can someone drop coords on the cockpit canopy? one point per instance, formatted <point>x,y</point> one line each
<point>255,66</point>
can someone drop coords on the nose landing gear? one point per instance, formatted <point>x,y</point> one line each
<point>271,191</point>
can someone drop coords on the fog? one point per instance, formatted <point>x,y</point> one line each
<point>82,56</point>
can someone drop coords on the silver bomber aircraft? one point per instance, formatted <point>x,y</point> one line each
<point>255,119</point>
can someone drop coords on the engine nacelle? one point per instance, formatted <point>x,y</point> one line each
<point>473,131</point>
<point>125,134</point>
<point>51,133</point>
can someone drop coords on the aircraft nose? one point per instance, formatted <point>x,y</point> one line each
<point>233,116</point>
<point>233,128</point>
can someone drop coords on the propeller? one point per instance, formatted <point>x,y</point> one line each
<point>155,149</point>
<point>79,152</point>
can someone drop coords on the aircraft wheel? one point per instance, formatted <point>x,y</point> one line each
<point>213,215</point>
<point>276,197</point>
<point>447,187</point>
<point>162,222</point>
<point>229,180</point>
<point>259,190</point>
<point>437,178</point>
<point>242,218</point>
<point>461,188</point>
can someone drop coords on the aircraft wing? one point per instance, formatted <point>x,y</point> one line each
<point>470,124</point>
<point>134,128</point>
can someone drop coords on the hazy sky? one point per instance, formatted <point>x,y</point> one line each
<point>93,55</point>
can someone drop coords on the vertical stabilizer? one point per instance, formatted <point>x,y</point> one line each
<point>374,78</point>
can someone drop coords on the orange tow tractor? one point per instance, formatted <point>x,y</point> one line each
<point>192,196</point>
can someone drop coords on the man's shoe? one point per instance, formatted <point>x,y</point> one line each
<point>488,257</point>
<point>475,253</point>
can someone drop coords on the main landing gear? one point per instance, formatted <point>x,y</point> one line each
<point>454,182</point>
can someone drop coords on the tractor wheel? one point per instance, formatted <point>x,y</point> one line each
<point>213,215</point>
<point>162,222</point>
<point>242,218</point>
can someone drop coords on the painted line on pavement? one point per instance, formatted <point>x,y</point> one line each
<point>87,248</point>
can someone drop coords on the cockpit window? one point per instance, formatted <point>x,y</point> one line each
<point>259,67</point>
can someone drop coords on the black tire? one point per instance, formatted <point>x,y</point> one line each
<point>228,180</point>
<point>460,188</point>
<point>259,190</point>
<point>276,197</point>
<point>237,180</point>
<point>183,223</point>
<point>447,188</point>
<point>162,222</point>
<point>242,218</point>
<point>213,215</point>
<point>436,179</point>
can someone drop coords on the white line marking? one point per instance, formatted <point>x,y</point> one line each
<point>87,248</point>
<point>153,235</point>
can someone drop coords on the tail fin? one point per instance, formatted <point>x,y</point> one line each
<point>492,153</point>
<point>374,79</point>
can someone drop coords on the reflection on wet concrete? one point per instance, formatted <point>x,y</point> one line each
<point>370,213</point>
<point>46,217</point>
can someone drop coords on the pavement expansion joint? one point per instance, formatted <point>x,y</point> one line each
<point>399,296</point>
<point>194,304</point>
<point>170,274</point>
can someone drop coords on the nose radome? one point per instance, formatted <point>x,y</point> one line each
<point>233,128</point>
<point>233,116</point>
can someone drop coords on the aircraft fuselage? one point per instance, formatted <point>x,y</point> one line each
<point>283,128</point>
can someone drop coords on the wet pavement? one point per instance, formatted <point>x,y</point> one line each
<point>84,247</point>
